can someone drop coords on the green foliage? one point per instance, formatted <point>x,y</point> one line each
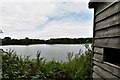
<point>69,56</point>
<point>17,67</point>
<point>27,41</point>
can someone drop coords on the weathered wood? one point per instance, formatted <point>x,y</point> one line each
<point>98,50</point>
<point>111,21</point>
<point>108,42</point>
<point>116,66</point>
<point>96,76</point>
<point>0,42</point>
<point>98,56</point>
<point>111,69</point>
<point>110,11</point>
<point>104,73</point>
<point>102,5</point>
<point>108,32</point>
<point>106,36</point>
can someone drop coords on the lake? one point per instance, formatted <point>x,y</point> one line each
<point>57,51</point>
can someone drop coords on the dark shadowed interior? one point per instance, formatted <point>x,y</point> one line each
<point>112,55</point>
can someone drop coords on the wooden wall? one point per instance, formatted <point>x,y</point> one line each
<point>106,35</point>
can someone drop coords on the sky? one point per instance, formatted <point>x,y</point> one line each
<point>45,19</point>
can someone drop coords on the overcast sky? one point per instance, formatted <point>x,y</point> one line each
<point>46,19</point>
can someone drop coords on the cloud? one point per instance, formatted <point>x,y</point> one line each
<point>72,30</point>
<point>69,12</point>
<point>24,16</point>
<point>46,0</point>
<point>46,19</point>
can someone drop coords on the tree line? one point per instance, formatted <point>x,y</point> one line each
<point>27,41</point>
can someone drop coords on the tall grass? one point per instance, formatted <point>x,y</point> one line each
<point>17,67</point>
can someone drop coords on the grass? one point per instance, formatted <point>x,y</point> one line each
<point>17,67</point>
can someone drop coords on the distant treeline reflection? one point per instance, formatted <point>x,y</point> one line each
<point>27,41</point>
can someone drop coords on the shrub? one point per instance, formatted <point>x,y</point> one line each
<point>17,67</point>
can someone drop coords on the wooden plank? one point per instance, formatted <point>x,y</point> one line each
<point>110,11</point>
<point>106,6</point>
<point>108,42</point>
<point>98,57</point>
<point>108,32</point>
<point>113,65</point>
<point>111,21</point>
<point>96,76</point>
<point>102,5</point>
<point>104,73</point>
<point>111,69</point>
<point>0,42</point>
<point>98,50</point>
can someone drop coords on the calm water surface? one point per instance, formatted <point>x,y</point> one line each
<point>57,51</point>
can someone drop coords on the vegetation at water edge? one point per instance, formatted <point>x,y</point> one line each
<point>16,67</point>
<point>27,41</point>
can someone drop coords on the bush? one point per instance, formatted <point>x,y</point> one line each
<point>17,67</point>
